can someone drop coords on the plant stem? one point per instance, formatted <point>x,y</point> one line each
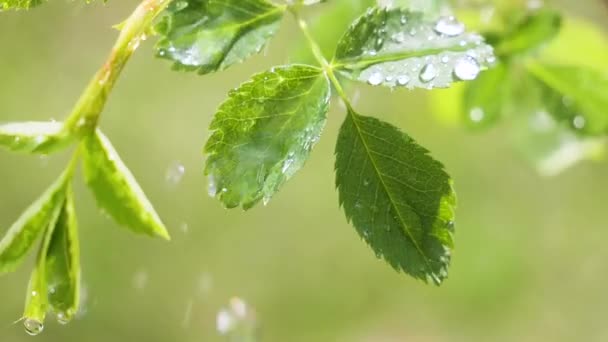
<point>86,112</point>
<point>316,50</point>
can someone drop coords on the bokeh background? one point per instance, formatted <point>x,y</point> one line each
<point>531,262</point>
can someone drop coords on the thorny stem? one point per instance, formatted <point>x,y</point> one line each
<point>86,112</point>
<point>316,50</point>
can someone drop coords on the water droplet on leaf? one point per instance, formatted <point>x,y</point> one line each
<point>33,327</point>
<point>467,68</point>
<point>449,26</point>
<point>375,79</point>
<point>428,73</point>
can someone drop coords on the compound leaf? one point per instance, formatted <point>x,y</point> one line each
<point>211,35</point>
<point>396,47</point>
<point>33,137</point>
<point>116,190</point>
<point>263,133</point>
<point>399,199</point>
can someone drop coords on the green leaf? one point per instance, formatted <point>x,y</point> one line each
<point>263,133</point>
<point>63,263</point>
<point>487,98</point>
<point>23,233</point>
<point>575,94</point>
<point>19,4</point>
<point>399,199</point>
<point>34,137</point>
<point>116,190</point>
<point>400,48</point>
<point>211,35</point>
<point>531,33</point>
<point>36,302</point>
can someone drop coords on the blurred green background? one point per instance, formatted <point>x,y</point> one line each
<point>530,265</point>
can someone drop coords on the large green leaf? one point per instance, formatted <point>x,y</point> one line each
<point>211,35</point>
<point>23,233</point>
<point>63,263</point>
<point>575,94</point>
<point>529,34</point>
<point>116,190</point>
<point>19,4</point>
<point>34,137</point>
<point>264,132</point>
<point>397,47</point>
<point>399,199</point>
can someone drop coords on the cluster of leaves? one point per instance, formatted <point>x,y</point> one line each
<point>400,200</point>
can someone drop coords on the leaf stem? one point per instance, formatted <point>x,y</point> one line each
<point>86,112</point>
<point>316,50</point>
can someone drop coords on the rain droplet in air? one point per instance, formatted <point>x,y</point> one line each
<point>175,172</point>
<point>428,73</point>
<point>32,326</point>
<point>237,321</point>
<point>449,26</point>
<point>375,79</point>
<point>467,68</point>
<point>476,114</point>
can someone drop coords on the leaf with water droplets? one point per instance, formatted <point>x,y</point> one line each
<point>396,47</point>
<point>116,189</point>
<point>575,94</point>
<point>63,263</point>
<point>264,132</point>
<point>23,233</point>
<point>529,34</point>
<point>19,4</point>
<point>486,98</point>
<point>399,199</point>
<point>34,137</point>
<point>211,35</point>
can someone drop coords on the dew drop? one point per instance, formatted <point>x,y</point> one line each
<point>428,73</point>
<point>445,59</point>
<point>212,186</point>
<point>579,122</point>
<point>63,318</point>
<point>33,327</point>
<point>403,80</point>
<point>375,79</point>
<point>403,20</point>
<point>467,68</point>
<point>399,37</point>
<point>413,32</point>
<point>449,26</point>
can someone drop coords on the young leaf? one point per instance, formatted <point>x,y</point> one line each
<point>575,94</point>
<point>23,233</point>
<point>399,199</point>
<point>63,263</point>
<point>211,35</point>
<point>263,133</point>
<point>486,98</point>
<point>33,137</point>
<point>397,47</point>
<point>116,190</point>
<point>533,31</point>
<point>36,300</point>
<point>19,4</point>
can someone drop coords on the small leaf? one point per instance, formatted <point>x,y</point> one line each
<point>529,34</point>
<point>19,4</point>
<point>34,137</point>
<point>211,35</point>
<point>63,263</point>
<point>575,94</point>
<point>263,133</point>
<point>36,302</point>
<point>116,190</point>
<point>23,233</point>
<point>487,98</point>
<point>399,199</point>
<point>400,48</point>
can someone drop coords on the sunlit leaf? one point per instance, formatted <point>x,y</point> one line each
<point>116,190</point>
<point>23,233</point>
<point>19,4</point>
<point>63,263</point>
<point>576,94</point>
<point>487,97</point>
<point>211,35</point>
<point>264,132</point>
<point>528,35</point>
<point>399,199</point>
<point>33,137</point>
<point>400,48</point>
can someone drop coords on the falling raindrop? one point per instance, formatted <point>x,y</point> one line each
<point>237,321</point>
<point>476,114</point>
<point>175,172</point>
<point>32,326</point>
<point>375,79</point>
<point>428,73</point>
<point>449,26</point>
<point>467,68</point>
